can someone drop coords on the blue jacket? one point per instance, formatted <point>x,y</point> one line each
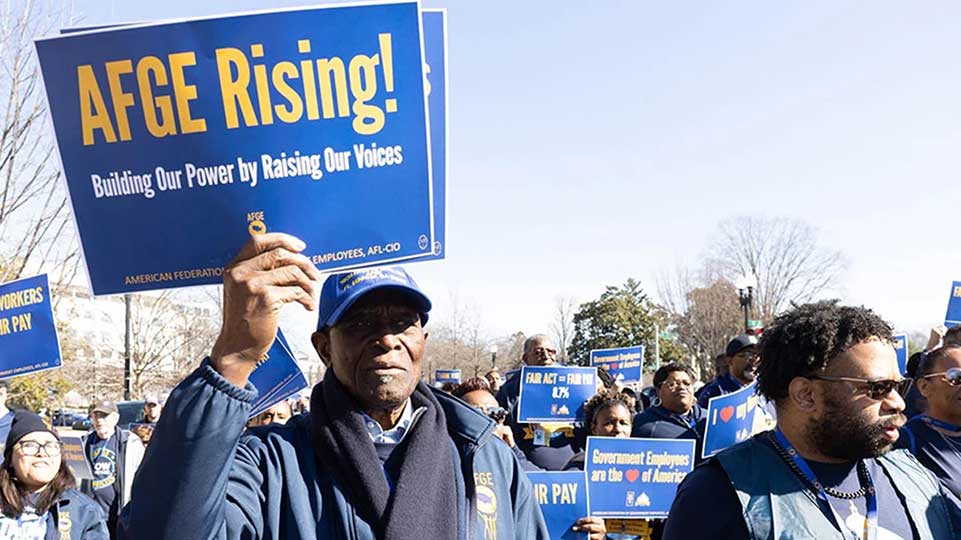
<point>76,517</point>
<point>660,423</point>
<point>717,387</point>
<point>202,477</point>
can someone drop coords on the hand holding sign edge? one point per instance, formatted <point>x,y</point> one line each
<point>268,273</point>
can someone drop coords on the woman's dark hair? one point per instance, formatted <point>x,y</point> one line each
<point>471,385</point>
<point>911,368</point>
<point>805,339</point>
<point>605,399</point>
<point>13,492</point>
<point>929,361</point>
<point>662,372</point>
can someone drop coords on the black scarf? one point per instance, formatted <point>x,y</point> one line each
<point>424,503</point>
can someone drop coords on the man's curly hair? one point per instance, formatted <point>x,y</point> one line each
<point>602,400</point>
<point>805,339</point>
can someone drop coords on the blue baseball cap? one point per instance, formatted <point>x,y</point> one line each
<point>341,291</point>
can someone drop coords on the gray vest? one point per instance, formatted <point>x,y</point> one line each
<point>777,506</point>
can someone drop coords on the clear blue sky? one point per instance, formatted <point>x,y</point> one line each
<point>595,141</point>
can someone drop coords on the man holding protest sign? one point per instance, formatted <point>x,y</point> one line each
<point>828,468</point>
<point>546,445</point>
<point>380,456</point>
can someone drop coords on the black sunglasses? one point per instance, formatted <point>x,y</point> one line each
<point>498,414</point>
<point>952,376</point>
<point>877,389</point>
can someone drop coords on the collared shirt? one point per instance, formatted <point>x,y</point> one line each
<point>397,433</point>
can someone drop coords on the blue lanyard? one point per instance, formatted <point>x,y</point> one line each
<point>870,522</point>
<point>939,423</point>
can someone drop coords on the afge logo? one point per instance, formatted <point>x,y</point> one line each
<point>487,504</point>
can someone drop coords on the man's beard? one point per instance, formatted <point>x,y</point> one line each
<point>844,435</point>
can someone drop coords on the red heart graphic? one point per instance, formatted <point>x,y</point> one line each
<point>727,413</point>
<point>632,474</point>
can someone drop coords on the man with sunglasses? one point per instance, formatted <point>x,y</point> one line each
<point>828,469</point>
<point>741,355</point>
<point>381,454</point>
<point>934,437</point>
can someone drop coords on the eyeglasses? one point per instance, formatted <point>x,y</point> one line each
<point>877,389</point>
<point>673,385</point>
<point>952,376</point>
<point>544,350</point>
<point>497,414</point>
<point>32,448</point>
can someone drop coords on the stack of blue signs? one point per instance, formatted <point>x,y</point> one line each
<point>276,379</point>
<point>203,132</point>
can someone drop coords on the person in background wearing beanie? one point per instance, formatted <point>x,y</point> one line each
<point>6,415</point>
<point>380,455</point>
<point>114,457</point>
<point>742,362</point>
<point>38,497</point>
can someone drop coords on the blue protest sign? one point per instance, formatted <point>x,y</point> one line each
<point>953,317</point>
<point>563,500</point>
<point>730,420</point>
<point>442,376</point>
<point>624,364</point>
<point>554,393</point>
<point>308,121</point>
<point>635,478</point>
<point>28,334</point>
<point>276,379</point>
<point>901,348</point>
<point>435,51</point>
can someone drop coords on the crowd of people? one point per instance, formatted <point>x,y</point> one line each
<point>381,454</point>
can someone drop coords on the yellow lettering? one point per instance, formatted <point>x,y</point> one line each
<point>121,100</point>
<point>166,126</point>
<point>369,119</point>
<point>280,74</point>
<point>327,69</point>
<point>234,91</point>
<point>93,109</point>
<point>185,93</point>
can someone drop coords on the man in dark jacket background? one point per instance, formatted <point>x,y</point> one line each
<point>381,455</point>
<point>742,361</point>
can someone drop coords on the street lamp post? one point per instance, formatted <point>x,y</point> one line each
<point>493,350</point>
<point>745,295</point>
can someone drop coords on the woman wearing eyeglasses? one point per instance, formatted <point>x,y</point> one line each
<point>38,495</point>
<point>934,437</point>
